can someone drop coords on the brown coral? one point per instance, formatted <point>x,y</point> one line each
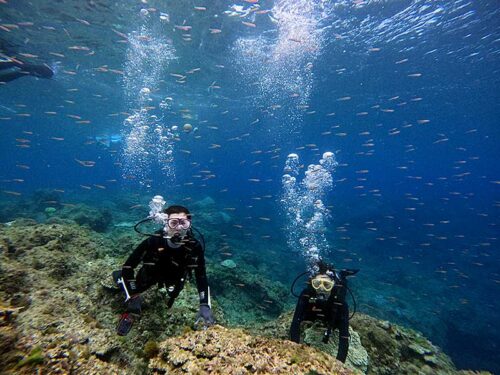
<point>219,350</point>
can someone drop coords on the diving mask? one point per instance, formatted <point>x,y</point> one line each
<point>175,223</point>
<point>176,229</point>
<point>322,284</point>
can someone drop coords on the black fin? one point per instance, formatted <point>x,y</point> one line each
<point>125,324</point>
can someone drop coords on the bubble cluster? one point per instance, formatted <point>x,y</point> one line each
<point>149,143</point>
<point>305,211</point>
<point>281,64</point>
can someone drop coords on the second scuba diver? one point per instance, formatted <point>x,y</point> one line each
<point>168,257</point>
<point>12,69</point>
<point>324,300</point>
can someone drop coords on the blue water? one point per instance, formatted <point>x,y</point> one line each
<point>405,93</point>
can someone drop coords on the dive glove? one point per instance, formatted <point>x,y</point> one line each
<point>205,316</point>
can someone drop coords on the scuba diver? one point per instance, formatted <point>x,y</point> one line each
<point>168,257</point>
<point>324,300</point>
<point>11,69</point>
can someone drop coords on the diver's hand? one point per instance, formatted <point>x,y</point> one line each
<point>205,316</point>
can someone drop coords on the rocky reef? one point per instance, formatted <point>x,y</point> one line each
<point>375,346</point>
<point>259,299</point>
<point>219,350</point>
<point>56,317</point>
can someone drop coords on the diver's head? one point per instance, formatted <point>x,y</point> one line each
<point>177,223</point>
<point>323,280</point>
<point>323,285</point>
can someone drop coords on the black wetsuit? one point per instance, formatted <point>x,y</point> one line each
<point>165,266</point>
<point>334,312</point>
<point>14,69</point>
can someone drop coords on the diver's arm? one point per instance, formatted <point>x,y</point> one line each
<point>298,316</point>
<point>10,76</point>
<point>343,333</point>
<point>132,261</point>
<point>205,315</point>
<point>19,69</point>
<point>8,64</point>
<point>200,273</point>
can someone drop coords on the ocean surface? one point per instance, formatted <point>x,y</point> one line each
<point>197,99</point>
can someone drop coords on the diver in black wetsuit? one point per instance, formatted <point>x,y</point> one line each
<point>324,300</point>
<point>168,257</point>
<point>11,69</point>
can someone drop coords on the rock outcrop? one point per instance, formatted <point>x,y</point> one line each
<point>219,350</point>
<point>57,318</point>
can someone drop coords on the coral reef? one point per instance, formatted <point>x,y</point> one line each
<point>50,211</point>
<point>54,272</point>
<point>395,349</point>
<point>96,219</point>
<point>228,263</point>
<point>376,347</point>
<point>44,198</point>
<point>57,318</point>
<point>8,338</point>
<point>357,357</point>
<point>231,351</point>
<point>312,334</point>
<point>258,299</point>
<point>207,211</point>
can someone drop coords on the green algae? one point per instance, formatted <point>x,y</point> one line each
<point>35,357</point>
<point>151,349</point>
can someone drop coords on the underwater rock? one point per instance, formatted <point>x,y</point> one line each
<point>226,218</point>
<point>395,349</point>
<point>259,299</point>
<point>104,345</point>
<point>205,203</point>
<point>44,198</point>
<point>9,210</point>
<point>53,333</point>
<point>26,234</point>
<point>228,263</point>
<point>357,357</point>
<point>127,240</point>
<point>212,217</point>
<point>124,224</point>
<point>376,347</point>
<point>13,281</point>
<point>96,219</point>
<point>8,338</point>
<point>312,334</point>
<point>6,246</point>
<point>65,320</point>
<point>219,350</point>
<point>50,211</point>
